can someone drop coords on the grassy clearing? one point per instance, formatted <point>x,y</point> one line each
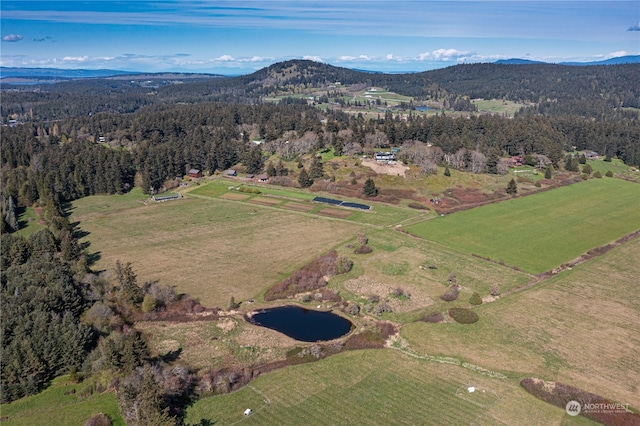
<point>377,387</point>
<point>29,223</point>
<point>539,232</point>
<point>53,407</point>
<point>420,268</point>
<point>497,106</point>
<point>579,328</point>
<point>212,249</point>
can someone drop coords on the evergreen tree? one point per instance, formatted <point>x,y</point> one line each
<point>548,173</point>
<point>316,169</point>
<point>446,171</point>
<point>571,163</point>
<point>128,285</point>
<point>305,180</point>
<point>512,187</point>
<point>369,188</point>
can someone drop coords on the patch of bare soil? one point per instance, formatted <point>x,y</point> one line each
<point>365,287</point>
<point>395,169</point>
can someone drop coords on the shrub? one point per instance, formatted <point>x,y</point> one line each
<point>537,184</point>
<point>362,238</point>
<point>352,309</point>
<point>475,299</point>
<point>400,292</point>
<point>98,420</point>
<point>373,298</point>
<point>418,206</point>
<point>559,394</point>
<point>463,316</point>
<point>609,174</point>
<point>434,317</point>
<point>309,277</point>
<point>597,174</point>
<point>148,303</point>
<point>363,250</point>
<point>450,295</point>
<point>452,278</point>
<point>495,290</point>
<point>382,308</point>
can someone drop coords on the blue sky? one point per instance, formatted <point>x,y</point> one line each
<point>231,37</point>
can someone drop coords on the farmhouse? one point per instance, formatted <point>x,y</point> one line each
<point>591,155</point>
<point>385,156</point>
<point>230,173</point>
<point>195,173</point>
<point>263,178</point>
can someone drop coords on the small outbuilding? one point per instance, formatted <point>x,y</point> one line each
<point>247,411</point>
<point>195,173</point>
<point>230,172</point>
<point>263,178</point>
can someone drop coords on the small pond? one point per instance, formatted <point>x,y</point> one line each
<point>423,108</point>
<point>303,324</point>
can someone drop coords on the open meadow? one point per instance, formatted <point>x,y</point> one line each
<point>61,404</point>
<point>542,231</point>
<point>210,248</point>
<point>375,387</point>
<point>580,327</point>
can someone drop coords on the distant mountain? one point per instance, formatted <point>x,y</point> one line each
<point>6,72</point>
<point>517,61</point>
<point>630,59</point>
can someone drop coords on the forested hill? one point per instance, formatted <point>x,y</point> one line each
<point>575,90</point>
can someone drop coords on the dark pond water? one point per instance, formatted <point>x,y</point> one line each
<point>423,108</point>
<point>303,324</point>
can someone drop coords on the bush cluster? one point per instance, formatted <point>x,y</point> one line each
<point>372,338</point>
<point>249,190</point>
<point>463,316</point>
<point>364,249</point>
<point>418,206</point>
<point>310,277</point>
<point>559,394</point>
<point>475,299</point>
<point>434,317</point>
<point>451,294</point>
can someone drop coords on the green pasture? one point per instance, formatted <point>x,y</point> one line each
<point>541,231</point>
<point>580,328</point>
<point>58,405</point>
<point>615,166</point>
<point>375,387</point>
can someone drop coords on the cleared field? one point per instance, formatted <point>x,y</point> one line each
<point>498,106</point>
<point>420,268</point>
<point>235,196</point>
<point>580,328</point>
<point>541,231</point>
<point>57,405</point>
<point>212,249</point>
<point>377,387</point>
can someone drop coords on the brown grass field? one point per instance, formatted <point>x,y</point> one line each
<point>338,213</point>
<point>298,207</point>
<point>211,249</point>
<point>235,196</point>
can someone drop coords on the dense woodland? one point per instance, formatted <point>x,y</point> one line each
<point>105,136</point>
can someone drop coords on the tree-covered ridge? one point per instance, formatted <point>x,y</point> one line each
<point>590,91</point>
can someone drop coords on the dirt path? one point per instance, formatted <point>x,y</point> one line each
<point>395,169</point>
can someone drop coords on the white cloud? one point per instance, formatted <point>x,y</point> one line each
<point>225,58</point>
<point>389,56</point>
<point>443,55</point>
<point>312,58</point>
<point>75,58</point>
<point>12,37</point>
<point>617,54</point>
